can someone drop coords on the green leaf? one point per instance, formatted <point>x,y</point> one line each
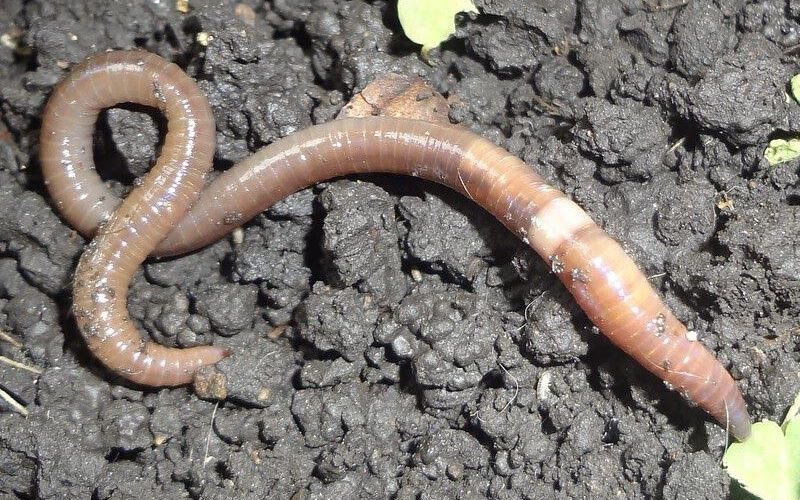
<point>430,22</point>
<point>793,413</point>
<point>781,150</point>
<point>794,84</point>
<point>767,464</point>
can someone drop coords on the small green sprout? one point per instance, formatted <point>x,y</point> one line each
<point>430,22</point>
<point>794,84</point>
<point>767,464</point>
<point>781,150</point>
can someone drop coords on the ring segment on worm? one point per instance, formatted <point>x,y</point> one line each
<point>171,212</point>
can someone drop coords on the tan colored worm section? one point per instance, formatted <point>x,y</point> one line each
<point>604,280</point>
<point>132,232</point>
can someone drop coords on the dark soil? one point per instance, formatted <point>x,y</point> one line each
<point>407,368</point>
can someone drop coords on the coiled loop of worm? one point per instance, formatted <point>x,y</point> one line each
<point>130,232</point>
<point>156,218</point>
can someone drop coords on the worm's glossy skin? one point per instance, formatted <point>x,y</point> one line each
<point>604,280</point>
<point>131,232</point>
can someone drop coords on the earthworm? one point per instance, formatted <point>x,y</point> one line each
<point>170,213</point>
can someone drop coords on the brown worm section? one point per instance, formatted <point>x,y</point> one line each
<point>131,232</point>
<point>604,280</point>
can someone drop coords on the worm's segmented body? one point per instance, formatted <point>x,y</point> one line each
<point>156,218</point>
<point>129,234</point>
